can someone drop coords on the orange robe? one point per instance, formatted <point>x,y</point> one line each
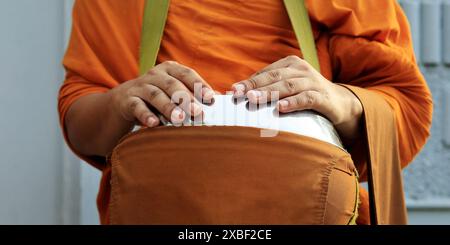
<point>365,45</point>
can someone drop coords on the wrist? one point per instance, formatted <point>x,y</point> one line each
<point>356,109</point>
<point>349,128</point>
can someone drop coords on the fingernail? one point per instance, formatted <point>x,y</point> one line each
<point>177,115</point>
<point>253,95</point>
<point>195,109</point>
<point>208,94</point>
<point>238,89</point>
<point>283,104</point>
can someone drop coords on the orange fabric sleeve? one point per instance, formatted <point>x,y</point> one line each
<point>102,52</point>
<point>370,47</point>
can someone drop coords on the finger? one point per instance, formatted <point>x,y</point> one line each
<point>162,103</point>
<point>191,79</point>
<point>283,89</point>
<point>178,93</point>
<point>142,113</point>
<point>307,100</point>
<point>185,101</point>
<point>265,79</point>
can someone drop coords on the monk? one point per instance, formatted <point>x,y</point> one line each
<point>368,77</point>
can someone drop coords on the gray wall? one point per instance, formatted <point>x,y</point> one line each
<point>31,46</point>
<point>427,179</point>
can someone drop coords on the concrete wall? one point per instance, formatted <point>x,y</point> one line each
<point>427,179</point>
<point>30,143</point>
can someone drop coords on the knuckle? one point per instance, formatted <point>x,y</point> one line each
<point>303,65</point>
<point>311,99</point>
<point>154,93</point>
<point>185,72</point>
<point>251,83</point>
<point>169,63</point>
<point>306,67</point>
<point>133,104</point>
<point>169,83</point>
<point>290,85</point>
<point>294,58</point>
<point>274,75</point>
<point>151,72</point>
<point>130,92</point>
<point>297,101</point>
<point>139,83</point>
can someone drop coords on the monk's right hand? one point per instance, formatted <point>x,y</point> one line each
<point>163,88</point>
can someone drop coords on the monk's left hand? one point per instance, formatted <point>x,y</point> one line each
<point>301,87</point>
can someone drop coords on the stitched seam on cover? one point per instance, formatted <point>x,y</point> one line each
<point>323,195</point>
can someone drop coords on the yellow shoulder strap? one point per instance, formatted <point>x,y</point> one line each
<point>302,27</point>
<point>155,15</point>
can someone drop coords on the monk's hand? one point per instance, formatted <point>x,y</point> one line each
<point>301,87</point>
<point>167,88</point>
